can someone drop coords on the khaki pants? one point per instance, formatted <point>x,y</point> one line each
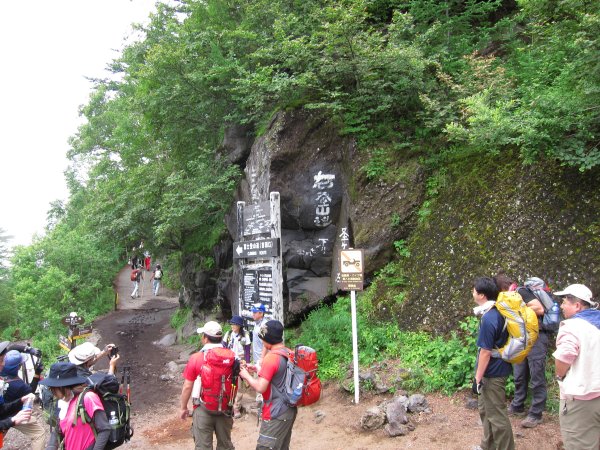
<point>497,431</point>
<point>580,424</point>
<point>276,434</point>
<point>35,430</point>
<point>205,424</point>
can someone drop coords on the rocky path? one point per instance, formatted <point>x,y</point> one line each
<point>333,423</point>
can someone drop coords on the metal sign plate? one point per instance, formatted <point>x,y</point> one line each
<point>72,321</point>
<point>261,248</point>
<point>351,270</point>
<point>257,218</point>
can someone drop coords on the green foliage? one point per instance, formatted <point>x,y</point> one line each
<point>401,248</point>
<point>179,319</point>
<point>62,272</point>
<point>436,362</point>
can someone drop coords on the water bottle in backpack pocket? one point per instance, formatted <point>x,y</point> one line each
<point>551,320</point>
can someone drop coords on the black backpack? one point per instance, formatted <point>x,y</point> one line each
<point>116,407</point>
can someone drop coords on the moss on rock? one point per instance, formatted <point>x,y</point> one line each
<point>539,220</point>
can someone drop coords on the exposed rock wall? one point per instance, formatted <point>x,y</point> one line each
<point>491,213</point>
<point>318,175</point>
<point>541,220</point>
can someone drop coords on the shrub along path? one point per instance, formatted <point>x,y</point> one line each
<point>140,322</point>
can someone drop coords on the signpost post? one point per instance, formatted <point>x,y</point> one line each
<point>73,321</point>
<point>351,279</point>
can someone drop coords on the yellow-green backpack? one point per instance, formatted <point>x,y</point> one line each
<point>521,324</point>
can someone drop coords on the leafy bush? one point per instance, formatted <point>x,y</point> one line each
<point>437,363</point>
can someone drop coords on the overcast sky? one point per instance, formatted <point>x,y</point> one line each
<point>47,48</point>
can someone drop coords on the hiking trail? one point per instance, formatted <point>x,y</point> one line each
<point>139,323</point>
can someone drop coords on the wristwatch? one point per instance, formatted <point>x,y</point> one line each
<point>559,378</point>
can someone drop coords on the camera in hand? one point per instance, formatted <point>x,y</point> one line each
<point>114,351</point>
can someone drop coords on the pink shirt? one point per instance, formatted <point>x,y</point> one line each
<point>80,436</point>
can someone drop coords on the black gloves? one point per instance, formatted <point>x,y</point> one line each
<point>33,351</point>
<point>39,367</point>
<point>477,387</point>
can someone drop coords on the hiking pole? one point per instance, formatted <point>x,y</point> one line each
<point>128,384</point>
<point>122,380</point>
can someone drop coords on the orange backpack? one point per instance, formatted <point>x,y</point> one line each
<point>302,385</point>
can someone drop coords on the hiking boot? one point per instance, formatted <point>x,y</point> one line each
<point>531,422</point>
<point>515,412</point>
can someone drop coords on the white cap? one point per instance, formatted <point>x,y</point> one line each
<point>83,353</point>
<point>580,291</point>
<point>212,329</point>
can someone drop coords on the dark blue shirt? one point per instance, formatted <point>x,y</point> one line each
<point>493,335</point>
<point>17,388</point>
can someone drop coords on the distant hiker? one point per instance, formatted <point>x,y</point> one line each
<point>85,355</point>
<point>258,351</point>
<point>533,369</point>
<point>238,340</point>
<point>577,369</point>
<point>147,260</point>
<point>490,372</point>
<point>155,278</point>
<point>277,417</point>
<point>209,415</point>
<point>137,276</point>
<point>134,261</point>
<point>67,385</point>
<point>14,389</point>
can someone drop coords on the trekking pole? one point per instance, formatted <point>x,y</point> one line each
<point>128,384</point>
<point>122,380</point>
<point>221,391</point>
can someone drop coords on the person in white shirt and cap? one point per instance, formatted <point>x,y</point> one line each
<point>258,350</point>
<point>577,369</point>
<point>85,355</point>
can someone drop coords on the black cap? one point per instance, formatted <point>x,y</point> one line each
<point>271,332</point>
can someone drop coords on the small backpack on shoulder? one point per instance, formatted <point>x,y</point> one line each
<point>116,406</point>
<point>157,274</point>
<point>217,380</point>
<point>521,324</point>
<point>134,274</point>
<point>302,385</point>
<point>547,322</point>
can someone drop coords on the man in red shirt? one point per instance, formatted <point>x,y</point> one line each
<point>277,417</point>
<point>205,422</point>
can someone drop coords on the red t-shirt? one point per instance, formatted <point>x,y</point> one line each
<point>269,368</point>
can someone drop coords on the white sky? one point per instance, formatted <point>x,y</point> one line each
<point>47,48</point>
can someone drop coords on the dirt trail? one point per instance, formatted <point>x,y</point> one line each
<point>140,322</point>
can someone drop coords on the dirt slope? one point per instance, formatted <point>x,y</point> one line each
<point>140,322</point>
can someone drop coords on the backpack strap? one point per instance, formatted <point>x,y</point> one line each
<point>81,412</point>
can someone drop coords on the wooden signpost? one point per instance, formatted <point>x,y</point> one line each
<point>258,253</point>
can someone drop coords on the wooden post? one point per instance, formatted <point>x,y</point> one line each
<point>240,237</point>
<point>275,262</point>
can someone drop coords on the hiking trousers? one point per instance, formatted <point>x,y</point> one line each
<point>205,424</point>
<point>276,434</point>
<point>580,424</point>
<point>532,371</point>
<point>497,431</point>
<point>34,430</point>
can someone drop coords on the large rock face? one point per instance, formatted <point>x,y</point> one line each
<point>494,213</point>
<point>323,191</point>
